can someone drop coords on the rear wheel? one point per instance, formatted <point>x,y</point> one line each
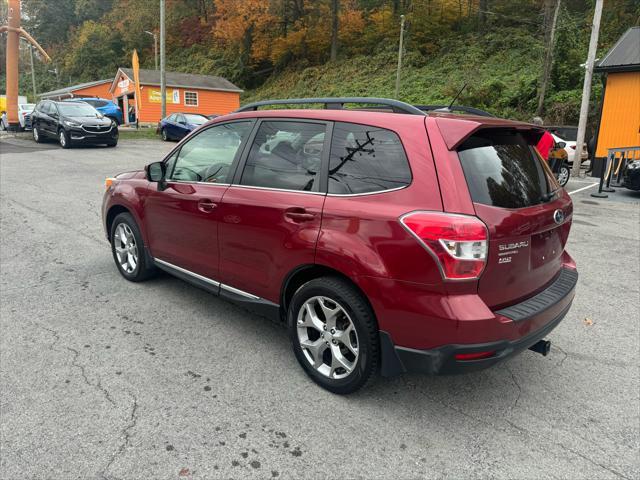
<point>128,249</point>
<point>163,134</point>
<point>334,334</point>
<point>63,138</point>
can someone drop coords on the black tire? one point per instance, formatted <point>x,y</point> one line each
<point>66,141</point>
<point>363,319</point>
<point>37,135</point>
<point>113,143</point>
<point>164,135</point>
<point>143,270</point>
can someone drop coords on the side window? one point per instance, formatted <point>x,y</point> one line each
<point>285,155</point>
<point>171,118</point>
<point>180,118</point>
<point>208,156</point>
<point>366,159</point>
<point>46,108</point>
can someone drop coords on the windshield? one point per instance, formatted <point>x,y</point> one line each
<point>77,110</point>
<point>195,119</point>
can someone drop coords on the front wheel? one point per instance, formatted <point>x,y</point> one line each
<point>334,334</point>
<point>563,175</point>
<point>63,137</point>
<point>37,136</point>
<point>128,249</point>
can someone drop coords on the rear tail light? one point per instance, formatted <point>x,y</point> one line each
<point>458,243</point>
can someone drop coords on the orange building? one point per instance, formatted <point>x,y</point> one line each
<point>619,124</point>
<point>185,92</point>
<point>99,88</point>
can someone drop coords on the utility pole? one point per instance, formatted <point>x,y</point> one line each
<point>163,78</point>
<point>33,73</point>
<point>548,60</point>
<point>155,46</point>
<point>335,5</point>
<point>586,89</point>
<point>399,56</point>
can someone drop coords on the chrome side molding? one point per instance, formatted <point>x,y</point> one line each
<point>207,280</point>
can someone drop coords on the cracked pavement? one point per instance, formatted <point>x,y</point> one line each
<point>104,379</point>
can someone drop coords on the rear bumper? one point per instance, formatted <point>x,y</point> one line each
<point>555,300</point>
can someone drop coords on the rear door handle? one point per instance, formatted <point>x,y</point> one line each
<point>207,206</point>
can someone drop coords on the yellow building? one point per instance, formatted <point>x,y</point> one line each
<point>619,124</point>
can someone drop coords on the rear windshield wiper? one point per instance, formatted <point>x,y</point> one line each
<point>548,196</point>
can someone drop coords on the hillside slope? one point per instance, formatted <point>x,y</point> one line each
<point>502,71</point>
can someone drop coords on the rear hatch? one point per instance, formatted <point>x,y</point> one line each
<point>527,214</point>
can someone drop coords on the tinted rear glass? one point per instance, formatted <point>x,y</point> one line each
<point>366,159</point>
<point>502,170</point>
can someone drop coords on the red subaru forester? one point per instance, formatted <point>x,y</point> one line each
<point>388,239</point>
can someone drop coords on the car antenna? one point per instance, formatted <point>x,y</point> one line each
<point>448,109</point>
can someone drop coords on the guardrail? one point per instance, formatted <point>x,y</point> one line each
<point>614,167</point>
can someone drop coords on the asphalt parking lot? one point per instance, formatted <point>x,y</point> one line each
<point>101,378</point>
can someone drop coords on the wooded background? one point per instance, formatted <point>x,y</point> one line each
<point>287,48</point>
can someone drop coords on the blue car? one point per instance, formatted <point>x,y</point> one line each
<point>105,107</point>
<point>178,125</point>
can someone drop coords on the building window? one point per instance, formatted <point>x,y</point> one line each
<point>191,99</point>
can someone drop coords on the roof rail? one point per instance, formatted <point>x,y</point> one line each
<point>337,103</point>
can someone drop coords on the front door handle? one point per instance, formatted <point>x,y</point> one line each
<point>299,215</point>
<point>206,206</point>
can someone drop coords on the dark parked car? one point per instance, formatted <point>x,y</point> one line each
<point>72,123</point>
<point>387,242</point>
<point>631,178</point>
<point>178,125</point>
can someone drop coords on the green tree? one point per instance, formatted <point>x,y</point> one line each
<point>96,52</point>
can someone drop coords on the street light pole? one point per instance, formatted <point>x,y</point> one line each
<point>586,89</point>
<point>163,83</point>
<point>399,56</point>
<point>155,46</point>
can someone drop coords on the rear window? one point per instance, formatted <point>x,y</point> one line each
<point>502,170</point>
<point>366,159</point>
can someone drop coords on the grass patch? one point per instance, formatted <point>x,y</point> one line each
<point>140,134</point>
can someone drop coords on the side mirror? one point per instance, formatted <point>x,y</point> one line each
<point>561,144</point>
<point>155,171</point>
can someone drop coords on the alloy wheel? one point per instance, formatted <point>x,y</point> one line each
<point>126,248</point>
<point>328,337</point>
<point>36,134</point>
<point>563,176</point>
<point>63,139</point>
